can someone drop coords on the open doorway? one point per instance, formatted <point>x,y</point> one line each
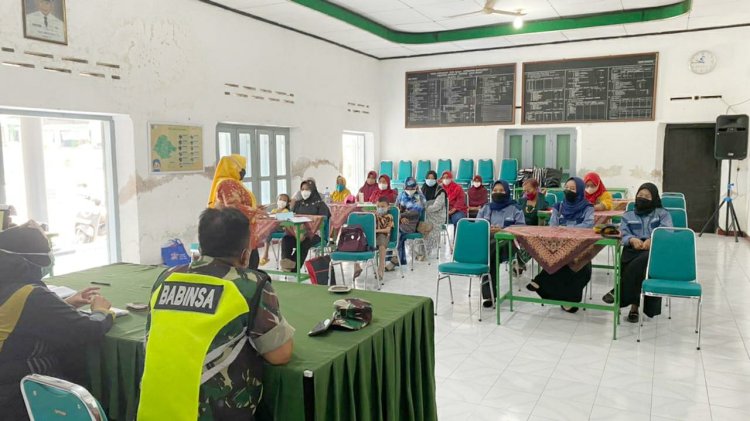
<point>57,171</point>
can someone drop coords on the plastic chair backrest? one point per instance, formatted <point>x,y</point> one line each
<point>472,241</point>
<point>551,198</point>
<point>486,170</point>
<point>673,202</point>
<point>367,221</point>
<point>509,171</point>
<point>386,168</point>
<point>679,217</point>
<point>617,195</point>
<point>672,255</point>
<point>671,193</point>
<point>404,171</point>
<point>465,170</point>
<point>393,238</point>
<point>423,166</point>
<point>49,398</point>
<point>443,166</point>
<point>630,207</point>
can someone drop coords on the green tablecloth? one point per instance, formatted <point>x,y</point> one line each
<point>385,371</point>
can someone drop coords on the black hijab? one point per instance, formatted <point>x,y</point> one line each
<point>314,194</point>
<point>655,198</point>
<point>430,193</point>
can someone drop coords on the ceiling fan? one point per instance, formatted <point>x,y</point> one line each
<point>489,9</point>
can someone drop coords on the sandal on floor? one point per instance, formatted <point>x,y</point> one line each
<point>570,309</point>
<point>609,297</point>
<point>532,286</point>
<point>633,316</point>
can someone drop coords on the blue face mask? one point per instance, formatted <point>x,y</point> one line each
<point>339,188</point>
<point>430,182</point>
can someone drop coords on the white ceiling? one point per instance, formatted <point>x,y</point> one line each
<point>433,15</point>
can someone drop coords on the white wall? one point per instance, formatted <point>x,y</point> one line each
<point>176,56</point>
<point>626,154</point>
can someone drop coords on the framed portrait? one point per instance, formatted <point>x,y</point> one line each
<point>45,20</point>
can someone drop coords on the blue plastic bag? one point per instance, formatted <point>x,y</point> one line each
<point>174,254</point>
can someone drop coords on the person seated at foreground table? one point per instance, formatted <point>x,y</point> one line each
<point>636,228</point>
<point>211,326</point>
<point>477,196</point>
<point>310,203</point>
<point>40,332</point>
<point>596,193</point>
<point>341,192</point>
<point>575,212</point>
<point>532,202</point>
<point>501,213</point>
<point>282,205</point>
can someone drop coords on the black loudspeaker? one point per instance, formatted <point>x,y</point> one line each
<point>731,137</point>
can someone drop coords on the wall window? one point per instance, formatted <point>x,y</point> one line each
<point>353,147</point>
<point>545,148</point>
<point>267,151</point>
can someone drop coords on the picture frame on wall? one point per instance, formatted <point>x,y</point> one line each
<point>45,20</point>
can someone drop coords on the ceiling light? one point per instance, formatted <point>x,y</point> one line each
<point>518,22</point>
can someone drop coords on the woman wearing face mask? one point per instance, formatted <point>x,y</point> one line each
<point>532,201</point>
<point>636,228</point>
<point>501,213</point>
<point>384,190</point>
<point>436,208</point>
<point>478,196</point>
<point>457,208</point>
<point>227,190</point>
<point>565,284</point>
<point>341,193</point>
<point>411,204</point>
<point>370,186</point>
<point>41,333</point>
<point>282,205</point>
<point>596,193</point>
<point>310,203</point>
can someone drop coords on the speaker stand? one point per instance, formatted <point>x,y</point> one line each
<point>727,200</point>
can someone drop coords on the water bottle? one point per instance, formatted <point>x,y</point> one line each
<point>327,196</point>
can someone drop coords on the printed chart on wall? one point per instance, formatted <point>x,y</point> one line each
<point>176,148</point>
<point>616,88</point>
<point>460,97</point>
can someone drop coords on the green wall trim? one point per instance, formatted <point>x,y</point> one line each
<point>574,22</point>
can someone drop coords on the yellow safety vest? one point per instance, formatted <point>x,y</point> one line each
<point>187,312</point>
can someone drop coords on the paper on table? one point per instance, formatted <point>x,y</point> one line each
<point>62,292</point>
<point>119,312</point>
<point>300,219</point>
<point>284,216</point>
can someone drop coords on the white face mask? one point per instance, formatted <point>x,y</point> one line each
<point>476,184</point>
<point>430,182</point>
<point>409,192</point>
<point>305,194</point>
<point>281,204</point>
<point>383,186</point>
<point>447,181</point>
<point>591,190</point>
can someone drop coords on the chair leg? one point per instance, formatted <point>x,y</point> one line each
<point>698,322</point>
<point>450,287</point>
<point>669,311</point>
<point>437,293</point>
<point>640,316</point>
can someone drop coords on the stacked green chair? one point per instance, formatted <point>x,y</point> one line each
<point>617,195</point>
<point>49,398</point>
<point>443,166</point>
<point>386,168</point>
<point>471,258</point>
<point>550,198</point>
<point>672,271</point>
<point>486,170</point>
<point>404,172</point>
<point>679,217</point>
<point>675,202</point>
<point>367,221</point>
<point>465,172</point>
<point>509,171</point>
<point>630,207</point>
<point>423,166</point>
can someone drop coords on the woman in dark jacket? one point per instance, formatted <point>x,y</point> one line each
<point>311,204</point>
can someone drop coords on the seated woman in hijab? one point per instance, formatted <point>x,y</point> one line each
<point>530,204</point>
<point>310,203</point>
<point>370,186</point>
<point>457,208</point>
<point>636,228</point>
<point>501,212</point>
<point>227,190</point>
<point>478,196</point>
<point>565,284</point>
<point>436,208</point>
<point>596,193</point>
<point>341,193</point>
<point>40,332</point>
<point>384,190</point>
<point>411,204</point>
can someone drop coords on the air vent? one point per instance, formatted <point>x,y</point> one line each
<point>273,95</point>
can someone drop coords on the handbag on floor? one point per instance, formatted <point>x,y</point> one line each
<point>317,268</point>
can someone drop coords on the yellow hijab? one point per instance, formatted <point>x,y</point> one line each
<point>340,196</point>
<point>228,168</point>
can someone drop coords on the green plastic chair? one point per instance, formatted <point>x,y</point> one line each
<point>486,170</point>
<point>672,271</point>
<point>465,172</point>
<point>443,166</point>
<point>404,171</point>
<point>367,221</point>
<point>509,171</point>
<point>49,398</point>
<point>386,168</point>
<point>551,198</point>
<point>394,237</point>
<point>423,166</point>
<point>617,195</point>
<point>630,207</point>
<point>315,249</point>
<point>671,193</point>
<point>471,258</point>
<point>415,239</point>
<point>679,217</point>
<point>674,202</point>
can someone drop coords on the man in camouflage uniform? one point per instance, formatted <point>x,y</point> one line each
<point>231,373</point>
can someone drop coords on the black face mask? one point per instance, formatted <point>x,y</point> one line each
<point>499,197</point>
<point>571,196</point>
<point>242,174</point>
<point>643,206</point>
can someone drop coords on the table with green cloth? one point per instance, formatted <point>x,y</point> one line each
<point>382,372</point>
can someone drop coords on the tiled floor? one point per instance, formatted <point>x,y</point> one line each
<point>545,364</point>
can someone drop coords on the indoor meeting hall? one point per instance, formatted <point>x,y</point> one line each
<point>386,210</point>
